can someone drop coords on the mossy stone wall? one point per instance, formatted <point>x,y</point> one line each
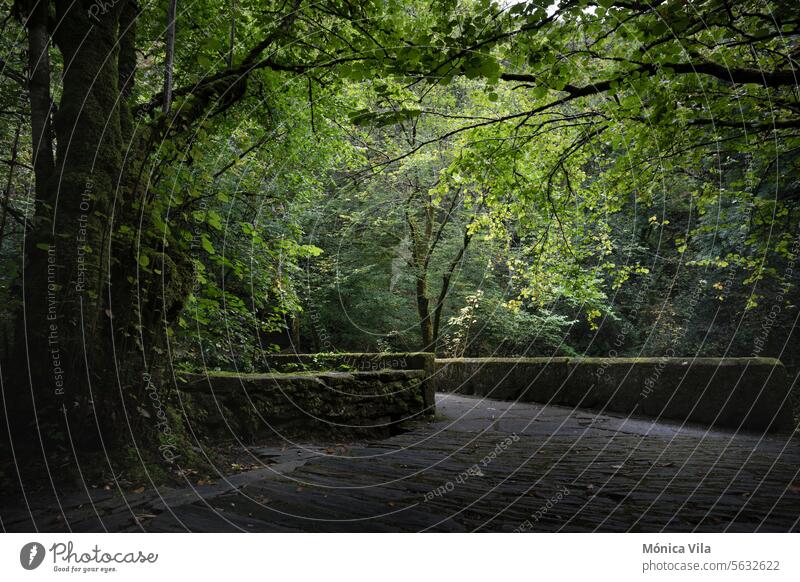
<point>359,362</point>
<point>248,406</point>
<point>749,393</point>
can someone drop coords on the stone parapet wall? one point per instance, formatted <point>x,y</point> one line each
<point>748,393</point>
<point>245,406</point>
<point>357,362</point>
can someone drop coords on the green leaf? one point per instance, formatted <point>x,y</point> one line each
<point>309,251</point>
<point>207,246</point>
<point>214,219</point>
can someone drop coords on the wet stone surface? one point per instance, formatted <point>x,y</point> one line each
<point>483,465</point>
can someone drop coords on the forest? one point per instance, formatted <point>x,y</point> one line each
<point>198,185</point>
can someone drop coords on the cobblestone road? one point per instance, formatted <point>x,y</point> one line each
<point>483,465</point>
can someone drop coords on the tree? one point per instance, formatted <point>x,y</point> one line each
<point>170,55</point>
<point>102,258</point>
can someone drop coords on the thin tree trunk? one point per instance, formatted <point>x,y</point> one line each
<point>170,55</point>
<point>446,280</point>
<point>39,93</point>
<point>9,183</point>
<point>233,34</point>
<point>420,257</point>
<point>423,310</point>
<point>127,65</point>
<point>29,378</point>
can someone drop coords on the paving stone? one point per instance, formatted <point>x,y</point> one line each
<point>621,474</point>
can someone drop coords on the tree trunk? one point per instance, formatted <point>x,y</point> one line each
<point>7,191</point>
<point>446,280</point>
<point>232,42</point>
<point>423,310</point>
<point>39,93</point>
<point>93,322</point>
<point>127,67</point>
<point>170,55</point>
<point>420,259</point>
<point>67,353</point>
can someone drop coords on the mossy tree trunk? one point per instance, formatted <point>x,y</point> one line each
<point>421,251</point>
<point>66,351</point>
<point>99,298</point>
<point>91,322</point>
